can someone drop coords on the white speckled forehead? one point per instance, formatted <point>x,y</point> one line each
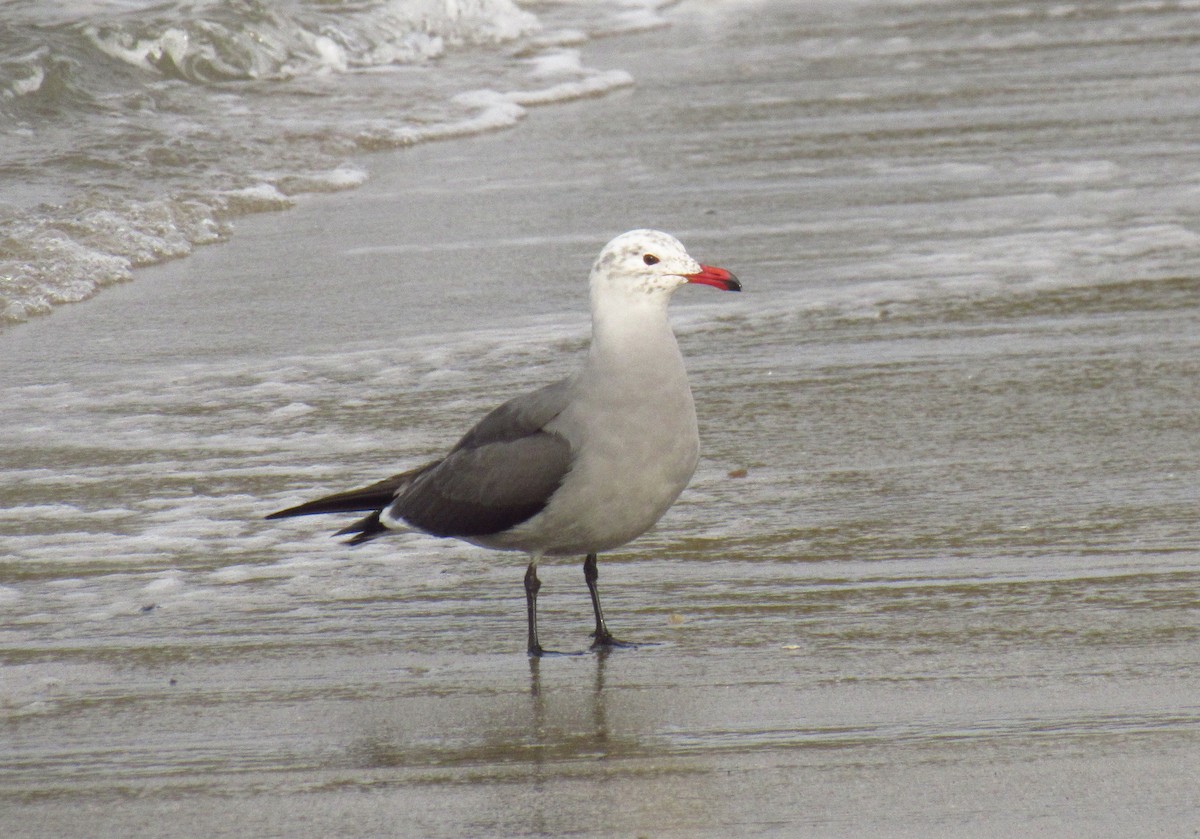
<point>637,243</point>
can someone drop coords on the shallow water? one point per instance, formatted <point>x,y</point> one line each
<point>954,593</point>
<point>137,130</point>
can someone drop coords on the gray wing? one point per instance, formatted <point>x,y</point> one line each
<point>501,473</point>
<point>519,417</point>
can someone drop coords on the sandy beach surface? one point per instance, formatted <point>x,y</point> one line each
<point>936,575</point>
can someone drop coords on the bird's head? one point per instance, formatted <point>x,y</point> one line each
<point>653,264</point>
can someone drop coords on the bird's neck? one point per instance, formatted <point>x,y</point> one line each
<point>633,334</point>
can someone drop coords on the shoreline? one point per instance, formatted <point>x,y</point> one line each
<point>930,578</point>
<point>266,290</point>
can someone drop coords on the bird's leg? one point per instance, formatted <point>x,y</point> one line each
<point>532,584</point>
<point>591,574</point>
<point>604,638</point>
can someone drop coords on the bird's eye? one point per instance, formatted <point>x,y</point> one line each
<point>650,259</point>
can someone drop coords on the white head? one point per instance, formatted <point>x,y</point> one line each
<point>650,264</point>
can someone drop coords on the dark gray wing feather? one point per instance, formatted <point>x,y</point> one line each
<point>518,417</point>
<point>501,473</point>
<point>486,489</point>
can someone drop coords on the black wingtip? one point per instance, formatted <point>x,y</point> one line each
<point>308,508</point>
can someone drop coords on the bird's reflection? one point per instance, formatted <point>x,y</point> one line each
<point>563,715</point>
<point>546,732</point>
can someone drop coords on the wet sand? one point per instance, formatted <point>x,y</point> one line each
<point>894,629</point>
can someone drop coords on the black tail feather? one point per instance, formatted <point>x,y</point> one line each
<point>371,499</point>
<point>364,530</point>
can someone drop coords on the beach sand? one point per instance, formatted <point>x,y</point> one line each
<point>827,661</point>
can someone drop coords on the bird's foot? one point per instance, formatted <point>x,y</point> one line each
<point>606,641</point>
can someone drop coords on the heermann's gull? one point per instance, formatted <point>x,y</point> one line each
<point>580,466</point>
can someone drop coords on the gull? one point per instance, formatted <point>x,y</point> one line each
<point>580,466</point>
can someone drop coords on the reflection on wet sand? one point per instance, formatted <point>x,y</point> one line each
<point>513,728</point>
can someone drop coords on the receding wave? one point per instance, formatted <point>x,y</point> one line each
<point>255,40</point>
<point>138,132</point>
